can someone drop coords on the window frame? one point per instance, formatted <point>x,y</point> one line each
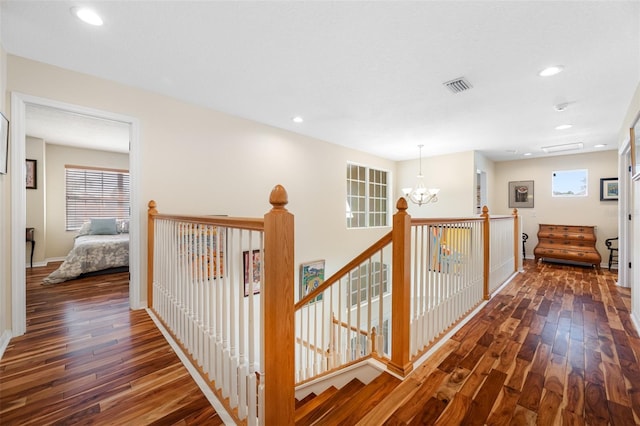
<point>382,193</point>
<point>114,206</point>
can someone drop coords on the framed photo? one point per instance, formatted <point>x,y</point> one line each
<point>609,189</point>
<point>4,144</point>
<point>252,271</point>
<point>32,174</point>
<point>311,276</point>
<point>634,133</point>
<point>521,194</point>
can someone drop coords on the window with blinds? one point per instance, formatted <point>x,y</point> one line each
<point>94,192</point>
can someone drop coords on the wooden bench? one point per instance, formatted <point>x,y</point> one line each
<point>574,243</point>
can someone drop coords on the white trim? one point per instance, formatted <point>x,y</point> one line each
<point>18,215</point>
<point>206,390</point>
<point>4,341</point>
<point>19,102</point>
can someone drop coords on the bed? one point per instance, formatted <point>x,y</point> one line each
<point>98,247</point>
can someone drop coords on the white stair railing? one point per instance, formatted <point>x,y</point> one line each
<point>446,276</point>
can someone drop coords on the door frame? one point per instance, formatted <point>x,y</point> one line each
<point>19,102</point>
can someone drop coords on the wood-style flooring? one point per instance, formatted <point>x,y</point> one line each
<point>88,359</point>
<point>554,347</point>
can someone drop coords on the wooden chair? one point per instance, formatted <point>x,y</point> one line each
<point>612,245</point>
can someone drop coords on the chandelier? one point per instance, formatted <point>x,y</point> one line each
<point>420,194</point>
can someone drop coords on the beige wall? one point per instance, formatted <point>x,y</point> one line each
<point>565,211</point>
<point>36,207</point>
<point>201,161</point>
<point>5,217</point>
<point>454,174</point>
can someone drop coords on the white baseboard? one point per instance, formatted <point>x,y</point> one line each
<point>4,341</point>
<point>206,390</point>
<point>634,320</point>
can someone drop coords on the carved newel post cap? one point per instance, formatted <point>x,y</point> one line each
<point>152,207</point>
<point>279,197</point>
<point>402,204</point>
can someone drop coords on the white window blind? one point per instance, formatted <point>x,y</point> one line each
<point>94,192</point>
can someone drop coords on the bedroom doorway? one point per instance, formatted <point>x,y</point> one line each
<point>20,104</point>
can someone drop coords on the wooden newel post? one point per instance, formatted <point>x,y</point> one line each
<point>151,213</point>
<point>279,322</point>
<point>401,292</point>
<point>516,240</point>
<point>487,252</point>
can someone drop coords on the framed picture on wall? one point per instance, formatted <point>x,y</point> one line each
<point>609,189</point>
<point>252,271</point>
<point>311,276</point>
<point>32,174</point>
<point>634,132</point>
<point>4,144</point>
<point>521,194</point>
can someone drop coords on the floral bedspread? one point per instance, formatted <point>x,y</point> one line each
<point>92,253</point>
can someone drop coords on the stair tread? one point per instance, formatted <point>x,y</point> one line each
<point>363,401</point>
<point>303,401</point>
<point>314,402</point>
<point>336,400</point>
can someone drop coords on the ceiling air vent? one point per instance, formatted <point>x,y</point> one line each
<point>458,85</point>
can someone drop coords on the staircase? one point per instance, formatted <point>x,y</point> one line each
<point>345,406</point>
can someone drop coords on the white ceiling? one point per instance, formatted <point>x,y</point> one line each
<point>368,75</point>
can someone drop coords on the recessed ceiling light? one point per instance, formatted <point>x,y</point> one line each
<point>561,107</point>
<point>564,126</point>
<point>87,15</point>
<point>297,119</point>
<point>549,71</point>
<point>600,145</point>
<point>526,154</point>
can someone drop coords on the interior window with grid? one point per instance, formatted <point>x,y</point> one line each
<point>367,197</point>
<point>95,192</point>
<point>360,279</point>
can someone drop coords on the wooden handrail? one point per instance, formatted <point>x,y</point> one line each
<point>445,221</point>
<point>375,247</point>
<point>350,327</point>
<point>249,223</point>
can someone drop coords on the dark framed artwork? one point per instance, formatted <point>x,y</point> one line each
<point>4,144</point>
<point>609,189</point>
<point>521,194</point>
<point>252,272</point>
<point>32,174</point>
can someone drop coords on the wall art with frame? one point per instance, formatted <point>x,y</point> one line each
<point>634,133</point>
<point>4,144</point>
<point>252,271</point>
<point>311,276</point>
<point>32,174</point>
<point>609,189</point>
<point>521,194</point>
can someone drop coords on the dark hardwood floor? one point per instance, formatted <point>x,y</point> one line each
<point>88,359</point>
<point>554,347</point>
